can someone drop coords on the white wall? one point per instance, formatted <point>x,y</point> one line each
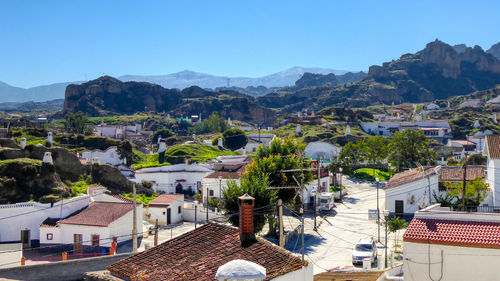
<point>303,274</point>
<point>165,179</point>
<point>160,213</point>
<point>201,213</point>
<point>459,263</point>
<point>493,176</point>
<point>412,191</point>
<point>29,216</point>
<point>312,186</point>
<point>109,156</point>
<point>213,184</point>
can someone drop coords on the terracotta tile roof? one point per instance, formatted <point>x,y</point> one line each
<point>228,174</point>
<point>456,173</point>
<point>99,214</point>
<point>165,199</point>
<point>464,142</point>
<point>353,275</point>
<point>196,255</point>
<point>477,234</point>
<point>493,143</point>
<point>409,176</point>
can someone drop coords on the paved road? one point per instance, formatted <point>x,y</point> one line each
<point>331,246</point>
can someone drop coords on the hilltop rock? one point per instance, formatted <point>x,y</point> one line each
<point>495,50</point>
<point>314,80</point>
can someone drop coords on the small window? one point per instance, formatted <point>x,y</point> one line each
<point>50,236</point>
<point>179,209</point>
<point>211,192</point>
<point>95,240</point>
<point>163,212</point>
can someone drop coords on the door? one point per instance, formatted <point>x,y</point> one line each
<point>25,238</point>
<point>77,243</point>
<point>399,207</point>
<point>169,216</point>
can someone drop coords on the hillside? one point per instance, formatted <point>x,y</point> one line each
<point>109,96</point>
<point>436,72</point>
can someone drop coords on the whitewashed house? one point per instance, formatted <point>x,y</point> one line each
<point>215,183</point>
<point>443,245</point>
<point>326,150</point>
<point>254,140</point>
<point>492,152</point>
<point>435,129</point>
<point>109,156</point>
<point>20,222</point>
<point>166,208</point>
<point>410,191</point>
<point>110,131</point>
<point>174,178</point>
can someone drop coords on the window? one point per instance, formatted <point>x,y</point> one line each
<point>50,236</point>
<point>179,209</point>
<point>211,192</point>
<point>95,240</point>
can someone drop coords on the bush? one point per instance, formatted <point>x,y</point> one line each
<point>163,133</point>
<point>234,139</point>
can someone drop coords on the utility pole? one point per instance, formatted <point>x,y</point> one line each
<point>280,220</point>
<point>386,242</point>
<point>220,187</point>
<point>195,216</point>
<point>134,219</point>
<point>464,184</point>
<point>378,212</point>
<point>341,190</point>
<point>207,205</point>
<point>302,233</point>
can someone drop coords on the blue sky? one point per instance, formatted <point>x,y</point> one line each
<point>45,42</point>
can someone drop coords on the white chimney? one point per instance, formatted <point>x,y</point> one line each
<point>298,130</point>
<point>168,117</point>
<point>162,147</point>
<point>229,121</point>
<point>49,139</point>
<point>47,158</point>
<point>476,124</point>
<point>194,136</point>
<point>348,130</point>
<point>23,142</point>
<point>494,117</point>
<point>220,143</point>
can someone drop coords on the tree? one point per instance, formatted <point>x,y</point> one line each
<point>234,139</point>
<point>475,192</point>
<point>163,133</point>
<point>410,148</point>
<point>75,123</point>
<point>395,225</point>
<point>255,186</point>
<point>376,149</point>
<point>352,153</point>
<point>214,124</point>
<point>126,151</point>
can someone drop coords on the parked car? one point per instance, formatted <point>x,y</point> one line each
<point>365,248</point>
<point>326,201</point>
<point>148,226</point>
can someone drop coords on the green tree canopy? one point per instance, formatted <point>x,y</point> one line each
<point>409,149</point>
<point>163,133</point>
<point>75,123</point>
<point>234,139</point>
<point>126,151</point>
<point>214,124</point>
<point>475,192</point>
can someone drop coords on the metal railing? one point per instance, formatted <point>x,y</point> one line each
<point>478,209</point>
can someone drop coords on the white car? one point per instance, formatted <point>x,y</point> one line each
<point>365,248</point>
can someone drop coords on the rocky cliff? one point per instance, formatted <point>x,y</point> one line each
<point>495,50</point>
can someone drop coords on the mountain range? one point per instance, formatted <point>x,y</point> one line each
<point>179,80</point>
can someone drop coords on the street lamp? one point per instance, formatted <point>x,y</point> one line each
<point>386,216</point>
<point>341,191</point>
<point>378,212</point>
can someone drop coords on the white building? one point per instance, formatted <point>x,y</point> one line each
<point>492,152</point>
<point>254,140</point>
<point>93,227</point>
<point>435,129</point>
<point>109,156</point>
<point>215,183</point>
<point>166,208</point>
<point>326,150</point>
<point>174,178</point>
<point>410,191</point>
<point>443,245</point>
<point>24,219</point>
<point>110,131</point>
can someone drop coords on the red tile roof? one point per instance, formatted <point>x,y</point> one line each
<point>165,199</point>
<point>454,233</point>
<point>493,143</point>
<point>456,173</point>
<point>409,176</point>
<point>196,255</point>
<point>99,214</point>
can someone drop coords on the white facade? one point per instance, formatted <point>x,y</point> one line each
<point>254,140</point>
<point>214,187</point>
<point>109,156</point>
<point>29,216</point>
<point>159,212</point>
<point>327,150</point>
<point>387,128</point>
<point>121,228</point>
<point>306,274</point>
<point>167,178</point>
<point>414,195</point>
<point>114,131</point>
<point>493,174</point>
<point>324,187</point>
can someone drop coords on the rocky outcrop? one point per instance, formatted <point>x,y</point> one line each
<point>495,50</point>
<point>314,80</point>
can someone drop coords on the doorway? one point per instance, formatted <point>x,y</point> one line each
<point>399,207</point>
<point>169,214</point>
<point>77,243</point>
<point>25,238</point>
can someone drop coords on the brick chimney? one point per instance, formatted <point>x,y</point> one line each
<point>247,234</point>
